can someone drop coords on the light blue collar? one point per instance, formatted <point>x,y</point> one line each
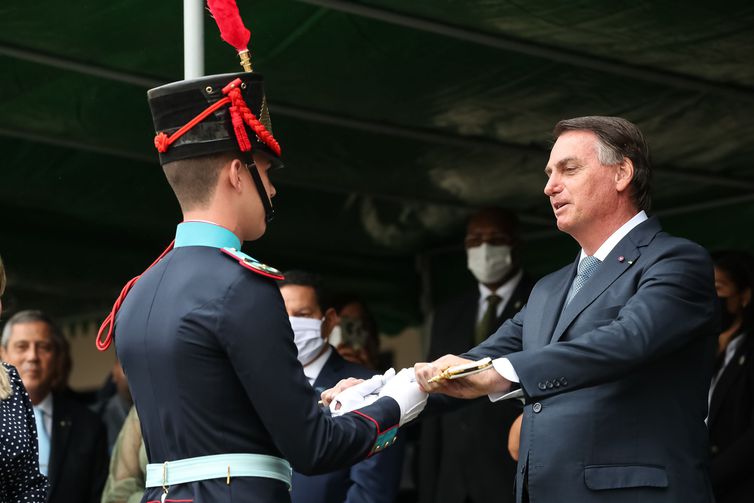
<point>194,233</point>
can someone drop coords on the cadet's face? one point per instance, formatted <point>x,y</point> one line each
<point>301,301</point>
<point>31,350</point>
<point>254,207</point>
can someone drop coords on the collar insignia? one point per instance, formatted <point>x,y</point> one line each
<point>253,264</point>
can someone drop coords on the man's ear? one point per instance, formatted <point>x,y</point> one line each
<point>624,173</point>
<point>234,174</point>
<point>331,319</point>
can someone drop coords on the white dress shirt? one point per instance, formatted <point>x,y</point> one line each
<point>312,370</point>
<point>504,291</point>
<point>503,365</point>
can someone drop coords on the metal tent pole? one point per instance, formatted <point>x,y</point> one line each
<point>193,38</point>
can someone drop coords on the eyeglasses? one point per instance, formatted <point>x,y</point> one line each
<point>474,240</point>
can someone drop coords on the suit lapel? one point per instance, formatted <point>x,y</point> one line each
<point>517,300</point>
<point>618,261</point>
<point>549,310</point>
<point>729,376</point>
<point>61,430</point>
<point>329,372</point>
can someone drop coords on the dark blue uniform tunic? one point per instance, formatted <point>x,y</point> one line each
<point>209,354</point>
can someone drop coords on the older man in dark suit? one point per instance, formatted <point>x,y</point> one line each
<point>614,352</point>
<point>72,440</point>
<point>462,454</point>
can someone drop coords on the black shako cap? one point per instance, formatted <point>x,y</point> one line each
<point>175,104</point>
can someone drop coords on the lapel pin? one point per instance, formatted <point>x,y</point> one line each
<point>622,258</point>
<point>630,262</point>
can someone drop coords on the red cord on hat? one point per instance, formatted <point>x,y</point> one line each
<point>239,114</point>
<point>109,322</point>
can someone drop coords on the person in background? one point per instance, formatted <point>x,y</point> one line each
<point>71,438</point>
<point>374,480</point>
<point>114,409</point>
<point>20,479</point>
<point>478,432</point>
<point>128,464</point>
<point>731,408</point>
<point>355,333</point>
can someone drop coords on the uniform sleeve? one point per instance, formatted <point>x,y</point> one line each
<point>29,484</point>
<point>258,339</point>
<point>673,306</point>
<point>376,479</point>
<point>125,481</point>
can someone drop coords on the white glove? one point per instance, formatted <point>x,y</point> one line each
<point>361,395</point>
<point>404,389</point>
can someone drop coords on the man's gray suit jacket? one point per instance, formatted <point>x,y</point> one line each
<point>616,383</point>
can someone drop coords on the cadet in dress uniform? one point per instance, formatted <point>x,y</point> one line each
<point>203,335</point>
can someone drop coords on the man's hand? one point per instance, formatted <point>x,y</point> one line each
<point>473,386</point>
<point>328,395</point>
<point>359,395</point>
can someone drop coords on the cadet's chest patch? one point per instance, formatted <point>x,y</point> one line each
<point>252,264</point>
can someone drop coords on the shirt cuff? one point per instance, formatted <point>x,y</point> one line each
<point>504,368</point>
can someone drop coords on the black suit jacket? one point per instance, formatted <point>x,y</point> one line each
<point>463,454</point>
<point>78,452</point>
<point>731,427</point>
<point>374,480</point>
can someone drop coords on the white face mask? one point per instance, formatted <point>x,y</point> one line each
<point>489,263</point>
<point>307,335</point>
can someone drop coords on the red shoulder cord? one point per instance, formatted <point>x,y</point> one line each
<point>109,322</point>
<point>239,114</point>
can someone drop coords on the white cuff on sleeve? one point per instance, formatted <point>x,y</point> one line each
<point>504,368</point>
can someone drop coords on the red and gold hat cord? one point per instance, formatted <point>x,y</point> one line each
<point>240,115</point>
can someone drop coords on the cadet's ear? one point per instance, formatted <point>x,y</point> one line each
<point>234,173</point>
<point>624,174</point>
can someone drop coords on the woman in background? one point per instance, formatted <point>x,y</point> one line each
<point>20,479</point>
<point>731,411</point>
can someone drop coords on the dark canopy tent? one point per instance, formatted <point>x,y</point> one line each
<point>397,119</point>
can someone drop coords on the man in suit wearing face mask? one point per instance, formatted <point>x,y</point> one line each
<point>478,433</point>
<point>375,479</point>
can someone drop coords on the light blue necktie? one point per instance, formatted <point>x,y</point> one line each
<point>43,439</point>
<point>587,267</point>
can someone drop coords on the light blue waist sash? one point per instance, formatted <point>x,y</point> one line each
<point>219,466</point>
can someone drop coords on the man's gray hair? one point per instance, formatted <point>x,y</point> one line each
<point>33,316</point>
<point>618,139</point>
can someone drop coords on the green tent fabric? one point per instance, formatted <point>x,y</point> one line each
<point>397,119</point>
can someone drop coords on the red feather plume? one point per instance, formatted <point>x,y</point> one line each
<point>228,19</point>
